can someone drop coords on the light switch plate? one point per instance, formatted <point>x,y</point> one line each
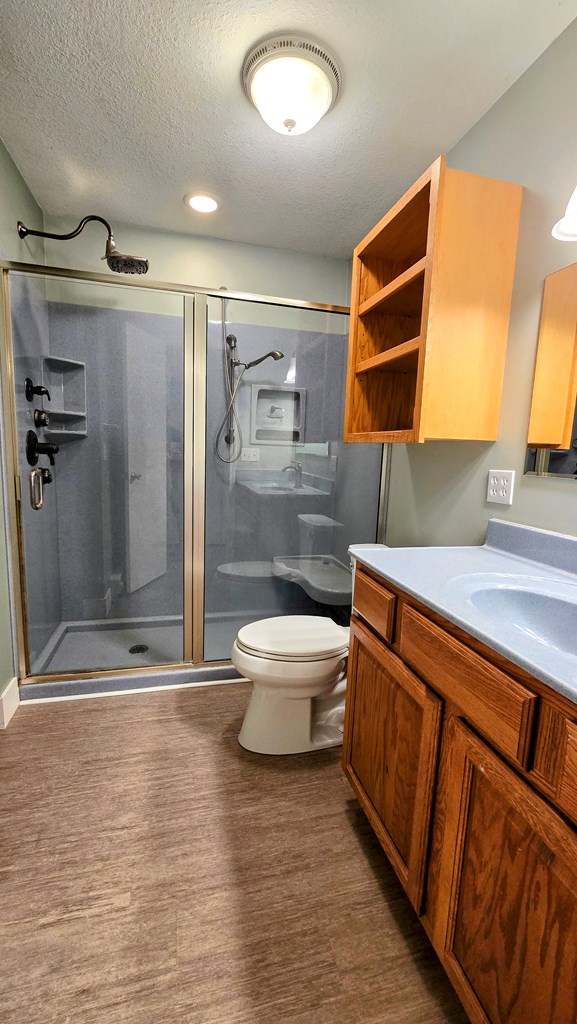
<point>250,455</point>
<point>500,486</point>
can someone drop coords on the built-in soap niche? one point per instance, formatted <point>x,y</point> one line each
<point>277,414</point>
<point>66,382</point>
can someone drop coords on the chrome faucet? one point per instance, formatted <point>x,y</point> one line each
<point>297,468</point>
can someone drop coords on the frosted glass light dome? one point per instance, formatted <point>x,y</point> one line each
<point>292,82</point>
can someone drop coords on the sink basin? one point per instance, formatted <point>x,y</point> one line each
<point>271,487</point>
<point>543,610</point>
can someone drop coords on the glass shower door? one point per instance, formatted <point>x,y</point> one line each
<point>98,372</point>
<point>285,497</point>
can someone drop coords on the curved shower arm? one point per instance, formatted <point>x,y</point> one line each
<point>23,231</point>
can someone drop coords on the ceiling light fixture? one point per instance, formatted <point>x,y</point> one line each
<point>201,203</point>
<point>566,228</point>
<point>292,81</point>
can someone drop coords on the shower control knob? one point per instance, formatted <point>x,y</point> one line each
<point>135,476</point>
<point>36,448</point>
<point>31,389</point>
<point>41,418</point>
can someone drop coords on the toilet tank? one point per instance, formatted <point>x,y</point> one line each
<point>316,534</point>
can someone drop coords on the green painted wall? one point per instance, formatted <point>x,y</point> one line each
<point>16,203</point>
<point>438,489</point>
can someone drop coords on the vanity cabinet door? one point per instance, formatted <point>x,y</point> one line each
<point>392,729</point>
<point>508,893</point>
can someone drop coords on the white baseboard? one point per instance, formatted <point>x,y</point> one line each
<point>9,702</point>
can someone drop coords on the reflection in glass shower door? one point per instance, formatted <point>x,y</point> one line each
<point>285,497</point>
<point>103,556</point>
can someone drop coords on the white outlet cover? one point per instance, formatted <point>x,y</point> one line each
<point>500,485</point>
<point>250,455</point>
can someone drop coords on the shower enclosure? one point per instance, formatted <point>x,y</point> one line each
<point>140,538</point>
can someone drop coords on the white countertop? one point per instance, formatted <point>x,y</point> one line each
<point>520,607</point>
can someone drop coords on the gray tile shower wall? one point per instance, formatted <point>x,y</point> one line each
<point>356,495</point>
<point>30,331</point>
<point>244,525</point>
<point>92,476</point>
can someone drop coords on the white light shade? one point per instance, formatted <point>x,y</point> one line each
<point>291,94</point>
<point>566,228</point>
<point>292,81</point>
<point>201,203</point>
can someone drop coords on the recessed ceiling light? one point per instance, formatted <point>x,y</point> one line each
<point>201,203</point>
<point>292,82</point>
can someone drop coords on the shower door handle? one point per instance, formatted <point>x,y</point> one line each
<point>36,487</point>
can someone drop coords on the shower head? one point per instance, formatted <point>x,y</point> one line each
<point>122,264</point>
<point>275,354</point>
<point>117,262</point>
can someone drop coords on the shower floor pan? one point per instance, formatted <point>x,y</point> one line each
<point>106,644</point>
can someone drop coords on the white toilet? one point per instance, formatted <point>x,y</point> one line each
<point>298,666</point>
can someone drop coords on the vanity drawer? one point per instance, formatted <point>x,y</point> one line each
<point>567,789</point>
<point>499,707</point>
<point>375,605</point>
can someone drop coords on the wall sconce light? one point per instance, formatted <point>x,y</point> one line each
<point>566,228</point>
<point>292,82</point>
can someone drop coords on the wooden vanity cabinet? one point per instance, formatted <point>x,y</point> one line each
<point>390,753</point>
<point>430,300</point>
<point>489,862</point>
<point>508,879</point>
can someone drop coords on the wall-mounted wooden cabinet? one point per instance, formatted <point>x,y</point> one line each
<point>555,382</point>
<point>430,301</point>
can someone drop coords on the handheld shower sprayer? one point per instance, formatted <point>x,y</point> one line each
<point>230,423</point>
<point>274,354</point>
<point>117,262</point>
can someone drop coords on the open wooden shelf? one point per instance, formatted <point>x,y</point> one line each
<point>403,295</point>
<point>430,302</point>
<point>401,358</point>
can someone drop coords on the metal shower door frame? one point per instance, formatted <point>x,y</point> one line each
<point>195,320</point>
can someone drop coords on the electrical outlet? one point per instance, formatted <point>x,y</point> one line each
<point>250,455</point>
<point>500,486</point>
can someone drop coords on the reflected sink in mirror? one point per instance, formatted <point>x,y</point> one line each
<point>543,610</point>
<point>282,489</point>
<point>273,481</point>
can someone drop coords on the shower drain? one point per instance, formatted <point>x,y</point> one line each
<point>138,649</point>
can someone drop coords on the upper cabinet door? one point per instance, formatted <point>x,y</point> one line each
<point>508,887</point>
<point>392,730</point>
<point>430,301</point>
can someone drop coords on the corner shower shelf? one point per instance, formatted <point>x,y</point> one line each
<point>66,382</point>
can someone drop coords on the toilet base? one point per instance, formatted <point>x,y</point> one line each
<point>278,725</point>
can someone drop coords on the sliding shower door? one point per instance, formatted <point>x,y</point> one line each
<point>285,497</point>
<point>98,388</point>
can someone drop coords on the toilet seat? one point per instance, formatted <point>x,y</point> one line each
<point>294,638</point>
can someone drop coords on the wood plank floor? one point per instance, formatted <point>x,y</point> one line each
<point>153,872</point>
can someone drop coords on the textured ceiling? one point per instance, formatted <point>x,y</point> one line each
<point>122,108</point>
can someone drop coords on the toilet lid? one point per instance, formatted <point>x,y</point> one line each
<point>294,637</point>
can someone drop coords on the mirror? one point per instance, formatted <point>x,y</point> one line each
<point>552,438</point>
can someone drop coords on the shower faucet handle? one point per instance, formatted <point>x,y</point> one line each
<point>41,418</point>
<point>36,448</point>
<point>31,389</point>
